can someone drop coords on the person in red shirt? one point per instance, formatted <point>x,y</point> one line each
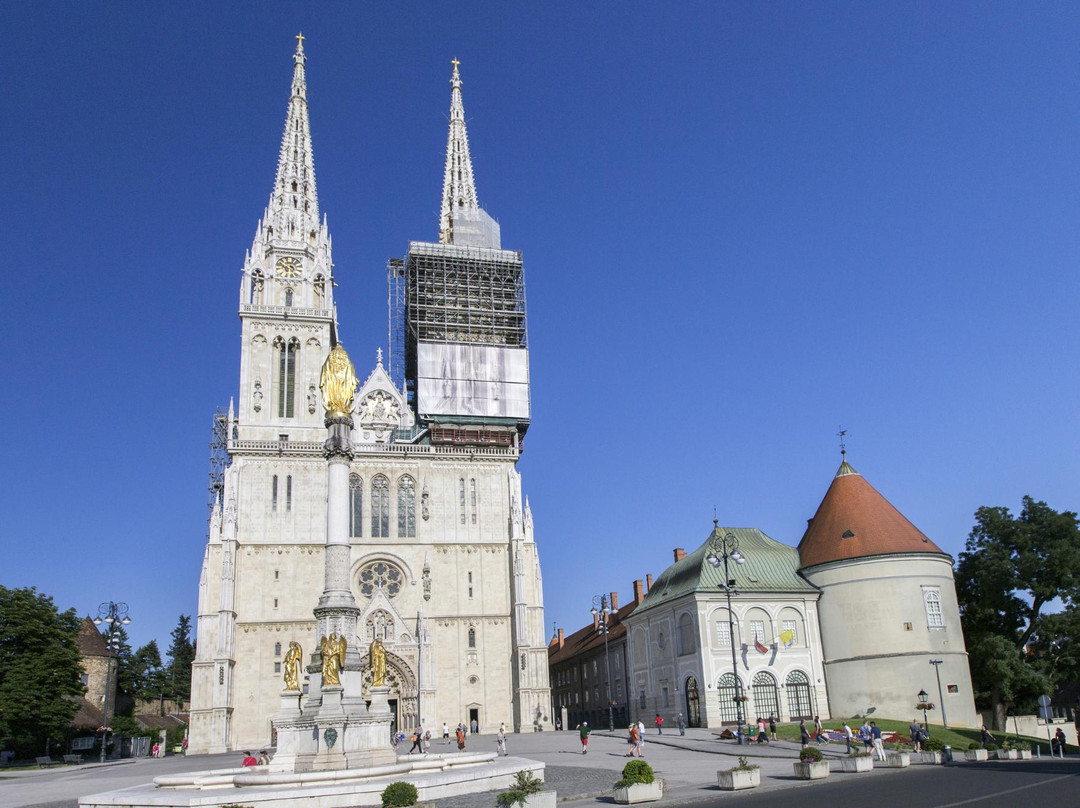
<point>249,760</point>
<point>659,724</point>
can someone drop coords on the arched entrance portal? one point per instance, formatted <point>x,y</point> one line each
<point>402,696</point>
<point>693,707</point>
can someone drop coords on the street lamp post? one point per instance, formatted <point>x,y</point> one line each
<point>941,696</point>
<point>728,547</point>
<point>924,706</point>
<point>601,610</point>
<point>112,615</point>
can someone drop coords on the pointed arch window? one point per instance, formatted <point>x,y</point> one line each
<point>258,281</point>
<point>406,508</point>
<point>380,507</point>
<point>288,355</point>
<point>472,637</point>
<point>288,296</point>
<point>320,291</point>
<point>356,506</point>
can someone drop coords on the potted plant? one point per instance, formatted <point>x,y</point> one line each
<point>857,762</point>
<point>975,752</point>
<point>932,752</point>
<point>638,784</point>
<point>745,775</point>
<point>811,764</point>
<point>527,790</point>
<point>896,757</point>
<point>1023,750</point>
<point>1006,752</point>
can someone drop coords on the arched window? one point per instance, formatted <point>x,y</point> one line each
<point>725,695</point>
<point>380,508</point>
<point>472,637</point>
<point>287,359</point>
<point>800,700</point>
<point>257,283</point>
<point>356,506</point>
<point>766,697</point>
<point>686,644</point>
<point>288,296</point>
<point>932,597</point>
<point>277,649</point>
<point>319,288</point>
<point>406,508</point>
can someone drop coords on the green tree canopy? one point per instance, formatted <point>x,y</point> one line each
<point>148,674</point>
<point>39,669</point>
<point>181,655</point>
<point>1011,569</point>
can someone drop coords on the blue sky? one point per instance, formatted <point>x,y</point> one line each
<point>743,226</point>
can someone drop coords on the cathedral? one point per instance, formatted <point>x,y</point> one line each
<point>442,562</point>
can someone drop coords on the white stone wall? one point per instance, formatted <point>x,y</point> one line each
<point>878,641</point>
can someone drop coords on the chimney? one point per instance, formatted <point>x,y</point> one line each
<point>680,554</point>
<point>614,601</point>
<point>648,583</point>
<point>561,640</point>
<point>639,591</point>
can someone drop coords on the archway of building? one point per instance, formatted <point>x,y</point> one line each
<point>799,696</point>
<point>402,696</point>
<point>693,705</point>
<point>766,696</point>
<point>730,711</point>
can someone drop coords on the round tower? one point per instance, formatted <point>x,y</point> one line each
<point>890,623</point>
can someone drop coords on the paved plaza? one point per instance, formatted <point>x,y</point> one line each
<point>687,763</point>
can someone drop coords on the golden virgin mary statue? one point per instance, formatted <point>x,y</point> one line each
<point>338,383</point>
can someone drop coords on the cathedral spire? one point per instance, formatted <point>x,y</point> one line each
<point>459,188</point>
<point>294,203</point>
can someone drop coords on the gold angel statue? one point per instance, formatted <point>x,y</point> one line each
<point>333,657</point>
<point>338,383</point>
<point>378,663</point>
<point>292,666</point>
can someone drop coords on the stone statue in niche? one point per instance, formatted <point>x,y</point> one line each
<point>379,408</point>
<point>312,399</point>
<point>257,395</point>
<point>424,512</point>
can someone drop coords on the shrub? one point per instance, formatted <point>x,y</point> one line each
<point>933,745</point>
<point>399,795</point>
<point>636,771</point>
<point>524,785</point>
<point>990,747</point>
<point>1023,746</point>
<point>810,754</point>
<point>744,765</point>
<point>974,745</point>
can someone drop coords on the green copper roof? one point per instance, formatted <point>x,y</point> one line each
<point>770,567</point>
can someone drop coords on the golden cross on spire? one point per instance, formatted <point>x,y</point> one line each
<point>300,40</point>
<point>455,63</point>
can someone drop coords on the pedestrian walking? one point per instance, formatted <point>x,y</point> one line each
<point>804,733</point>
<point>772,728</point>
<point>417,741</point>
<point>583,733</point>
<point>641,732</point>
<point>500,740</point>
<point>879,746</point>
<point>866,736</point>
<point>985,735</point>
<point>848,737</point>
<point>659,724</point>
<point>446,732</point>
<point>264,759</point>
<point>635,742</point>
<point>680,722</point>
<point>819,730</point>
<point>461,738</point>
<point>427,740</point>
<point>762,733</point>
<point>915,731</point>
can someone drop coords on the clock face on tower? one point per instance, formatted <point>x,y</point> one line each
<point>288,267</point>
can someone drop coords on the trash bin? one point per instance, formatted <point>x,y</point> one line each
<point>946,754</point>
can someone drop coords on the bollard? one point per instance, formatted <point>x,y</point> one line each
<point>946,755</point>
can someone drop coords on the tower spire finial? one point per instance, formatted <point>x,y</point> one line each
<point>459,188</point>
<point>843,446</point>
<point>294,203</point>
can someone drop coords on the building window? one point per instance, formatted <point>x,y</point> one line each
<point>288,493</point>
<point>288,296</point>
<point>277,574</point>
<point>472,637</point>
<point>757,631</point>
<point>273,494</point>
<point>766,699</point>
<point>932,598</point>
<point>472,500</point>
<point>380,575</point>
<point>275,603</point>
<point>84,678</point>
<point>257,282</point>
<point>799,698</point>
<point>277,667</point>
<point>356,506</point>
<point>789,634</point>
<point>725,696</point>
<point>406,504</point>
<point>664,692</point>
<point>380,507</point>
<point>287,358</point>
<point>461,491</point>
<point>686,635</point>
<point>277,649</point>
<point>320,291</point>
<point>641,700</point>
<point>723,633</point>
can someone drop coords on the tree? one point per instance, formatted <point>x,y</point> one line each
<point>1010,570</point>
<point>39,669</point>
<point>181,655</point>
<point>148,674</point>
<point>124,665</point>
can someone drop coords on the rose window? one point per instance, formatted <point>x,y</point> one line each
<point>380,575</point>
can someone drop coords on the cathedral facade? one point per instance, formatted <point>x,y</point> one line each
<point>443,563</point>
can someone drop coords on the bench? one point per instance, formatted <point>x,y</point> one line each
<point>42,762</point>
<point>76,759</point>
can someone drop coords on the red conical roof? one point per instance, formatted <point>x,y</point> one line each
<point>854,521</point>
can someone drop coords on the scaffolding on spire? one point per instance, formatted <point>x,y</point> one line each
<point>219,461</point>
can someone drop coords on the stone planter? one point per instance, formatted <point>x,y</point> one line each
<point>976,754</point>
<point>1025,754</point>
<point>1006,754</point>
<point>896,760</point>
<point>851,763</point>
<point>933,758</point>
<point>541,799</point>
<point>811,771</point>
<point>738,779</point>
<point>639,792</point>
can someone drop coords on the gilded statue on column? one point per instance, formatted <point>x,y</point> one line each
<point>292,666</point>
<point>337,383</point>
<point>378,663</point>
<point>333,657</point>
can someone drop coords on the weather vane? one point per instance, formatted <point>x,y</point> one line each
<point>843,447</point>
